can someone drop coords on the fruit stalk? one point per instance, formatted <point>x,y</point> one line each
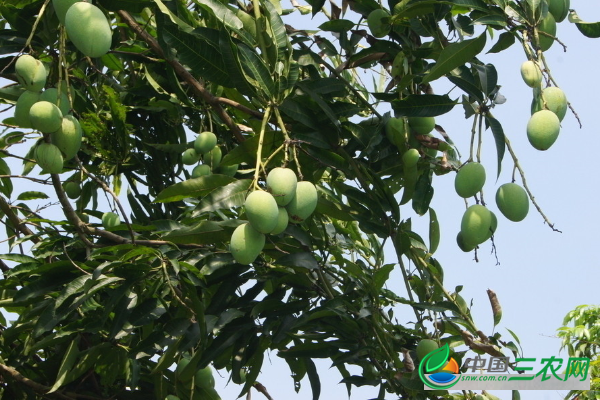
<point>261,138</point>
<point>524,180</point>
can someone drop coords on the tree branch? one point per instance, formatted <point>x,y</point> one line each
<point>38,387</point>
<point>16,221</point>
<point>198,88</point>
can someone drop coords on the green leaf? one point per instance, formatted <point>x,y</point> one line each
<point>425,105</point>
<point>68,361</point>
<point>337,25</point>
<point>146,312</point>
<point>434,231</point>
<point>381,275</point>
<point>455,55</point>
<point>302,260</point>
<point>199,50</point>
<point>499,138</point>
<point>225,197</point>
<point>588,29</point>
<point>310,350</point>
<point>196,187</point>
<point>313,377</point>
<point>423,194</point>
<point>488,77</point>
<point>32,196</point>
<point>134,6</point>
<point>205,232</point>
<point>505,40</point>
<point>316,5</point>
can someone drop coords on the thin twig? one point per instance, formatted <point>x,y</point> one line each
<point>524,180</point>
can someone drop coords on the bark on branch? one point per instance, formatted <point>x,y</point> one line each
<point>184,74</point>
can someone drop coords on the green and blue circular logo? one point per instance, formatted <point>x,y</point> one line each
<point>442,369</point>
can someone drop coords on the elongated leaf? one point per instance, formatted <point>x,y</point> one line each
<point>199,50</point>
<point>67,363</point>
<point>423,194</point>
<point>381,276</point>
<point>230,53</point>
<point>312,350</point>
<point>229,196</point>
<point>134,6</point>
<point>455,55</point>
<point>303,260</point>
<point>256,72</point>
<point>425,105</point>
<point>434,231</point>
<point>196,187</point>
<point>588,29</point>
<point>505,40</point>
<point>488,77</point>
<point>338,25</point>
<point>499,138</point>
<point>206,232</point>
<point>313,377</point>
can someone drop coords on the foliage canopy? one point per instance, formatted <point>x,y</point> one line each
<point>108,304</point>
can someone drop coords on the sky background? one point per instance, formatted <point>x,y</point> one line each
<point>541,274</point>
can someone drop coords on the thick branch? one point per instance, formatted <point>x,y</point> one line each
<point>198,88</point>
<point>7,209</point>
<point>38,387</point>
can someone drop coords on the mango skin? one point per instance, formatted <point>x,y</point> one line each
<point>45,117</point>
<point>24,103</point>
<point>262,211</point>
<point>190,157</point>
<point>246,244</point>
<point>204,378</point>
<point>31,73</point>
<point>470,179</point>
<point>531,74</point>
<point>460,241</point>
<point>421,125</point>
<point>51,95</point>
<point>395,131</point>
<point>425,347</point>
<point>548,25</point>
<point>201,170</point>
<point>61,7</point>
<point>49,158</point>
<point>110,220</point>
<point>410,158</point>
<point>88,29</point>
<point>475,225</point>
<point>376,25</point>
<point>513,202</point>
<point>281,183</point>
<point>205,142</point>
<point>72,189</point>
<point>304,202</point>
<point>214,157</point>
<point>282,221</point>
<point>556,101</point>
<point>559,9</point>
<point>493,226</point>
<point>68,137</point>
<point>543,129</point>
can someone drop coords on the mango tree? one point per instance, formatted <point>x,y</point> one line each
<point>189,185</point>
